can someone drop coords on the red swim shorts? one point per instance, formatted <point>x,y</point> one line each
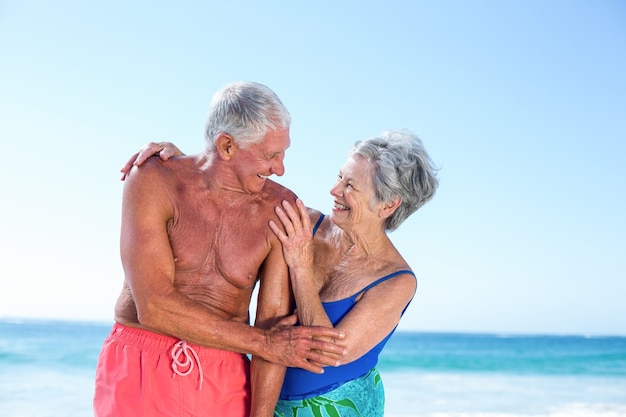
<point>141,373</point>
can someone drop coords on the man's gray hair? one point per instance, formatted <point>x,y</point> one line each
<point>247,111</point>
<point>402,168</point>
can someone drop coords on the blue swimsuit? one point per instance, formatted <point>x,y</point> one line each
<point>302,385</point>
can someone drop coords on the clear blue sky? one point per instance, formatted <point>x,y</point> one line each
<point>521,103</point>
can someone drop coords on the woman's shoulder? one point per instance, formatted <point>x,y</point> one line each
<point>314,214</point>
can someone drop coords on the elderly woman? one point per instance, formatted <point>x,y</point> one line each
<point>346,273</point>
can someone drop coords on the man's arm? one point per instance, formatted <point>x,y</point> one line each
<point>149,267</point>
<point>274,303</point>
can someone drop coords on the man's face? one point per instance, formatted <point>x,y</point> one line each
<point>255,163</point>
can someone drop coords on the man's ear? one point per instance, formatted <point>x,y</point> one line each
<point>389,207</point>
<point>225,146</point>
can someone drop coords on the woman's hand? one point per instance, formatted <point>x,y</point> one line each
<point>297,237</point>
<point>165,150</point>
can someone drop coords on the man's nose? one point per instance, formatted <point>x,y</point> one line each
<point>279,167</point>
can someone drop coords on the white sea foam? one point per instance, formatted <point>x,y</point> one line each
<point>493,395</point>
<point>569,410</point>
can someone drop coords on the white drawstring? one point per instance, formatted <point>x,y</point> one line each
<point>182,348</point>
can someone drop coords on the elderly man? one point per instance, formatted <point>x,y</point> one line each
<point>195,240</point>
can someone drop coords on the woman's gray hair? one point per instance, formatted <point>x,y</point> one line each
<point>402,168</point>
<point>247,111</point>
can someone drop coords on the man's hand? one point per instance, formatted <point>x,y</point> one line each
<point>165,150</point>
<point>297,346</point>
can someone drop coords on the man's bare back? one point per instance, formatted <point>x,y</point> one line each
<point>218,237</point>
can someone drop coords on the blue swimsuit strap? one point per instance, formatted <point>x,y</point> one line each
<point>317,225</point>
<point>385,278</point>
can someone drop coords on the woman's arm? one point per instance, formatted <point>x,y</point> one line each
<point>298,252</point>
<point>373,317</point>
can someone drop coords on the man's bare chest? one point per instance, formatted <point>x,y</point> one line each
<point>229,241</point>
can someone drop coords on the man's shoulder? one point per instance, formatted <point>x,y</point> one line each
<point>173,168</point>
<point>276,191</point>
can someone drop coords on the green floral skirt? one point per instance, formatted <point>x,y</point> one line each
<point>361,397</point>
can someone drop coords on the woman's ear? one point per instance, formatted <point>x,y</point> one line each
<point>225,146</point>
<point>389,207</point>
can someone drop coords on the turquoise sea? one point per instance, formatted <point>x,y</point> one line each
<point>47,370</point>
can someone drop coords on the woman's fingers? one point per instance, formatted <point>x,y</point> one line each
<point>296,223</point>
<point>128,166</point>
<point>300,218</point>
<point>277,231</point>
<point>293,216</point>
<point>285,220</point>
<point>304,215</point>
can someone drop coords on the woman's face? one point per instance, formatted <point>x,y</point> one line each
<point>354,195</point>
